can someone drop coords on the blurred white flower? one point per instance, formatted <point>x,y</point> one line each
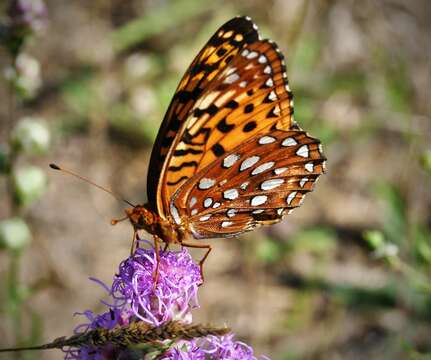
<point>142,100</point>
<point>26,75</point>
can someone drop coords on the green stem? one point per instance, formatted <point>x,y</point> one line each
<point>14,295</point>
<point>14,298</point>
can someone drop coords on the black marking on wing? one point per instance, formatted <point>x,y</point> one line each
<point>218,150</point>
<point>184,164</point>
<point>177,181</point>
<point>224,127</point>
<point>187,151</point>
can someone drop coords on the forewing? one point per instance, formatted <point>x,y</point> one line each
<point>256,183</point>
<point>249,96</point>
<point>220,50</point>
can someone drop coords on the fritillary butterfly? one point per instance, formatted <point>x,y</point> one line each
<point>229,156</point>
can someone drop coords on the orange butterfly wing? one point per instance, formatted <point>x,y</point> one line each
<point>256,183</point>
<point>211,60</point>
<point>231,157</point>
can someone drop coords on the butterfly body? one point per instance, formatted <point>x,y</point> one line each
<point>143,218</point>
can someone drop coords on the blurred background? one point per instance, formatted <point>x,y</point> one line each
<point>86,84</point>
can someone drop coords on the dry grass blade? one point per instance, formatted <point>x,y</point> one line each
<point>137,333</point>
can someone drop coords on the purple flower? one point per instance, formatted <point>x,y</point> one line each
<point>211,347</point>
<point>27,15</point>
<point>175,294</point>
<point>135,298</point>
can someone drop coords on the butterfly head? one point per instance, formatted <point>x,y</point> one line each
<point>141,217</point>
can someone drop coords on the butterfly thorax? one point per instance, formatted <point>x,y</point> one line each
<point>143,218</point>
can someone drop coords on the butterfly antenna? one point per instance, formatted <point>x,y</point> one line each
<point>56,167</point>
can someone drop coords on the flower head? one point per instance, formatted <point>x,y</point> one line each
<point>27,15</point>
<point>135,299</point>
<point>174,295</point>
<point>211,347</point>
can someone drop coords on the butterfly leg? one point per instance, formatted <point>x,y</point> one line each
<point>135,241</point>
<point>156,250</point>
<point>200,246</point>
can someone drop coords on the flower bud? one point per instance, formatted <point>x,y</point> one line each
<point>32,136</point>
<point>14,234</point>
<point>29,184</point>
<point>27,15</point>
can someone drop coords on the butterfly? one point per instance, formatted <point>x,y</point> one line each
<point>229,156</point>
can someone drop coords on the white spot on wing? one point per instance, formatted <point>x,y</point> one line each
<point>309,166</point>
<point>206,183</point>
<point>208,99</point>
<point>208,202</point>
<point>290,197</point>
<point>290,141</point>
<point>230,70</point>
<point>205,217</point>
<point>263,167</point>
<point>280,170</point>
<point>231,194</point>
<point>269,82</point>
<point>271,184</point>
<point>175,214</point>
<point>226,224</point>
<point>245,52</point>
<point>193,201</point>
<point>280,211</point>
<point>249,162</point>
<point>243,84</point>
<point>216,205</point>
<point>266,140</point>
<point>230,160</point>
<point>303,181</point>
<point>244,185</point>
<point>231,78</point>
<point>231,212</point>
<point>258,211</point>
<point>303,151</point>
<point>267,69</point>
<point>272,96</point>
<point>259,200</point>
<point>252,55</point>
<point>194,212</point>
<point>262,59</point>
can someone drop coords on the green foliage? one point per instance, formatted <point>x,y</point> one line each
<point>156,21</point>
<point>397,89</point>
<point>425,161</point>
<point>78,92</point>
<point>126,124</point>
<point>305,56</point>
<point>4,160</point>
<point>268,250</point>
<point>394,223</point>
<point>318,241</point>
